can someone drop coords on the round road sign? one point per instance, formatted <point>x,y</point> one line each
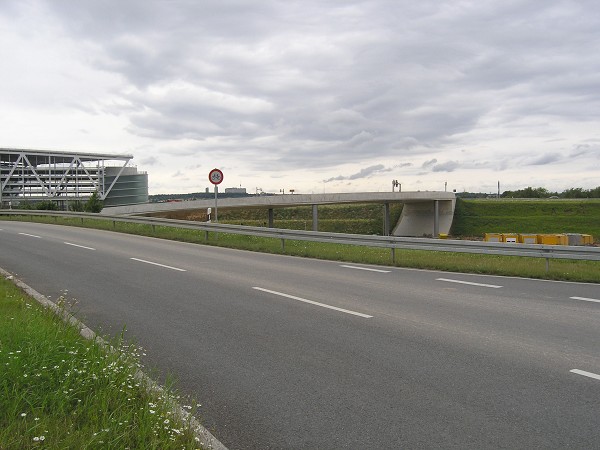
<point>215,176</point>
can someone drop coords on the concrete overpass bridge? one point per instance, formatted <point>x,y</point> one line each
<point>424,213</point>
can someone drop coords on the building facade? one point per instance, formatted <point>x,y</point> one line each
<point>63,177</point>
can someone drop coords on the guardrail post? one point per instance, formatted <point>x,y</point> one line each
<point>206,236</point>
<point>547,265</point>
<point>394,255</point>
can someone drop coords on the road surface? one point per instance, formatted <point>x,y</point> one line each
<point>286,352</point>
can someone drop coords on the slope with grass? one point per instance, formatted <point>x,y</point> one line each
<point>352,218</point>
<point>474,218</point>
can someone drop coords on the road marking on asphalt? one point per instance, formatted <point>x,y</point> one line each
<point>323,305</point>
<point>160,265</point>
<point>31,235</point>
<point>585,299</point>
<point>365,268</point>
<point>494,286</point>
<point>80,246</point>
<point>586,374</point>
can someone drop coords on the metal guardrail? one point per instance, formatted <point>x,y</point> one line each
<point>391,242</point>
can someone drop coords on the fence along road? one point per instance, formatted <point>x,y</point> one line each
<point>392,242</point>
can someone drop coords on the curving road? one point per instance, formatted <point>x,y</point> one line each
<point>286,352</point>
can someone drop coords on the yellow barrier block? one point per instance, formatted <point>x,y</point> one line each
<point>493,237</point>
<point>528,238</point>
<point>443,236</point>
<point>587,239</point>
<point>553,239</point>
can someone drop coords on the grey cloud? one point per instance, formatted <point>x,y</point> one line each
<point>149,161</point>
<point>364,173</point>
<point>429,163</point>
<point>449,166</point>
<point>545,159</point>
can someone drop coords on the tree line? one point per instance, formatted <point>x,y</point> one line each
<point>540,192</point>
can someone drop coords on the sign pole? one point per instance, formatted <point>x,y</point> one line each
<point>216,210</point>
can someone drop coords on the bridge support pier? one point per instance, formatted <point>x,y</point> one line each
<point>436,218</point>
<point>315,218</point>
<point>386,219</point>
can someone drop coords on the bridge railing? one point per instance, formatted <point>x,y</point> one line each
<point>392,242</point>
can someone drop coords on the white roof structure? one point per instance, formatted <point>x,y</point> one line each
<point>35,175</point>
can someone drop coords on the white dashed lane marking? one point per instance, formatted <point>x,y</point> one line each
<point>158,264</point>
<point>365,268</point>
<point>322,305</point>
<point>595,376</point>
<point>493,286</point>
<point>30,235</point>
<point>79,246</point>
<point>583,299</point>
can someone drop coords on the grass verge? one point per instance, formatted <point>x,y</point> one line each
<point>59,390</point>
<point>565,270</point>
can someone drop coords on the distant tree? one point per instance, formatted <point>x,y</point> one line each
<point>594,193</point>
<point>47,205</point>
<point>77,206</point>
<point>575,193</point>
<point>528,192</point>
<point>94,204</point>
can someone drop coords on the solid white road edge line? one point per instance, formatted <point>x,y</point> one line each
<point>80,246</point>
<point>469,282</point>
<point>586,374</point>
<point>585,299</point>
<point>30,235</point>
<point>281,294</point>
<point>365,268</point>
<point>160,265</point>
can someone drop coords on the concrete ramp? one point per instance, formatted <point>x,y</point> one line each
<point>424,213</point>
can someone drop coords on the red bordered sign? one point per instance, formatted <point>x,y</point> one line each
<point>215,176</point>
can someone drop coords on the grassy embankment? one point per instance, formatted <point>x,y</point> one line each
<point>472,219</point>
<point>59,390</point>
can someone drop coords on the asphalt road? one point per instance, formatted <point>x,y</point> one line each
<point>286,352</point>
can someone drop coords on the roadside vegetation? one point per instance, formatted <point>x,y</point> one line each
<point>59,390</point>
<point>586,271</point>
<point>474,218</point>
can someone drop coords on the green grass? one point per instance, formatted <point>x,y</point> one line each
<point>474,218</point>
<point>58,390</point>
<point>359,218</point>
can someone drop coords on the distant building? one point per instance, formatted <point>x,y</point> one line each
<point>36,175</point>
<point>235,191</point>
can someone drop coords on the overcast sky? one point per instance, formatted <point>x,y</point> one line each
<point>316,96</point>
